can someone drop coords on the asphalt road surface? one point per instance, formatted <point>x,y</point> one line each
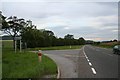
<point>87,62</point>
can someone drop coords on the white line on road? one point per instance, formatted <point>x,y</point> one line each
<point>88,60</point>
<point>90,64</point>
<point>94,72</point>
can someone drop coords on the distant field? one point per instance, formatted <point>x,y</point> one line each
<point>108,45</point>
<point>7,44</point>
<point>25,64</point>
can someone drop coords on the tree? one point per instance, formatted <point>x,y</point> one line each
<point>49,37</point>
<point>115,40</point>
<point>12,26</point>
<point>60,42</point>
<point>38,38</point>
<point>69,39</point>
<point>68,36</point>
<point>33,38</point>
<point>81,41</point>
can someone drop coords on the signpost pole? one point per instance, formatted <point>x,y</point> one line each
<point>18,38</point>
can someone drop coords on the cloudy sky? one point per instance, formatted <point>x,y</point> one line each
<point>91,20</point>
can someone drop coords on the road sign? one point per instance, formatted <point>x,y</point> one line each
<point>18,38</point>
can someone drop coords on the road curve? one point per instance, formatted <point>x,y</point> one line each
<point>67,67</point>
<point>87,62</point>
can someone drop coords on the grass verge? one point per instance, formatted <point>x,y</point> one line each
<point>25,64</point>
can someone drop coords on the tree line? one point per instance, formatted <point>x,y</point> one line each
<point>33,37</point>
<point>46,38</point>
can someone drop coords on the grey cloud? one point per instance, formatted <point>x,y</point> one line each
<point>41,10</point>
<point>86,31</point>
<point>110,24</point>
<point>71,11</point>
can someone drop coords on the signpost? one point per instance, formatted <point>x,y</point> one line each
<point>18,38</point>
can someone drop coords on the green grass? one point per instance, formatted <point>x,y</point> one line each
<point>57,48</point>
<point>7,45</point>
<point>25,64</point>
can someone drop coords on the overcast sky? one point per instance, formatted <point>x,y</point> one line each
<point>91,20</point>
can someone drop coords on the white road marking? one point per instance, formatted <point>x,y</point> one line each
<point>90,64</point>
<point>86,57</point>
<point>88,60</point>
<point>94,72</point>
<point>93,69</point>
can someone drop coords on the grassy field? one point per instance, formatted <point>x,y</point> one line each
<point>57,48</point>
<point>25,64</point>
<point>107,45</point>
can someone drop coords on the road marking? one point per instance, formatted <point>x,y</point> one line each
<point>90,64</point>
<point>88,60</point>
<point>86,57</point>
<point>94,72</point>
<point>93,69</point>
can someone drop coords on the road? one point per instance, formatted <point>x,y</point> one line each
<point>87,62</point>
